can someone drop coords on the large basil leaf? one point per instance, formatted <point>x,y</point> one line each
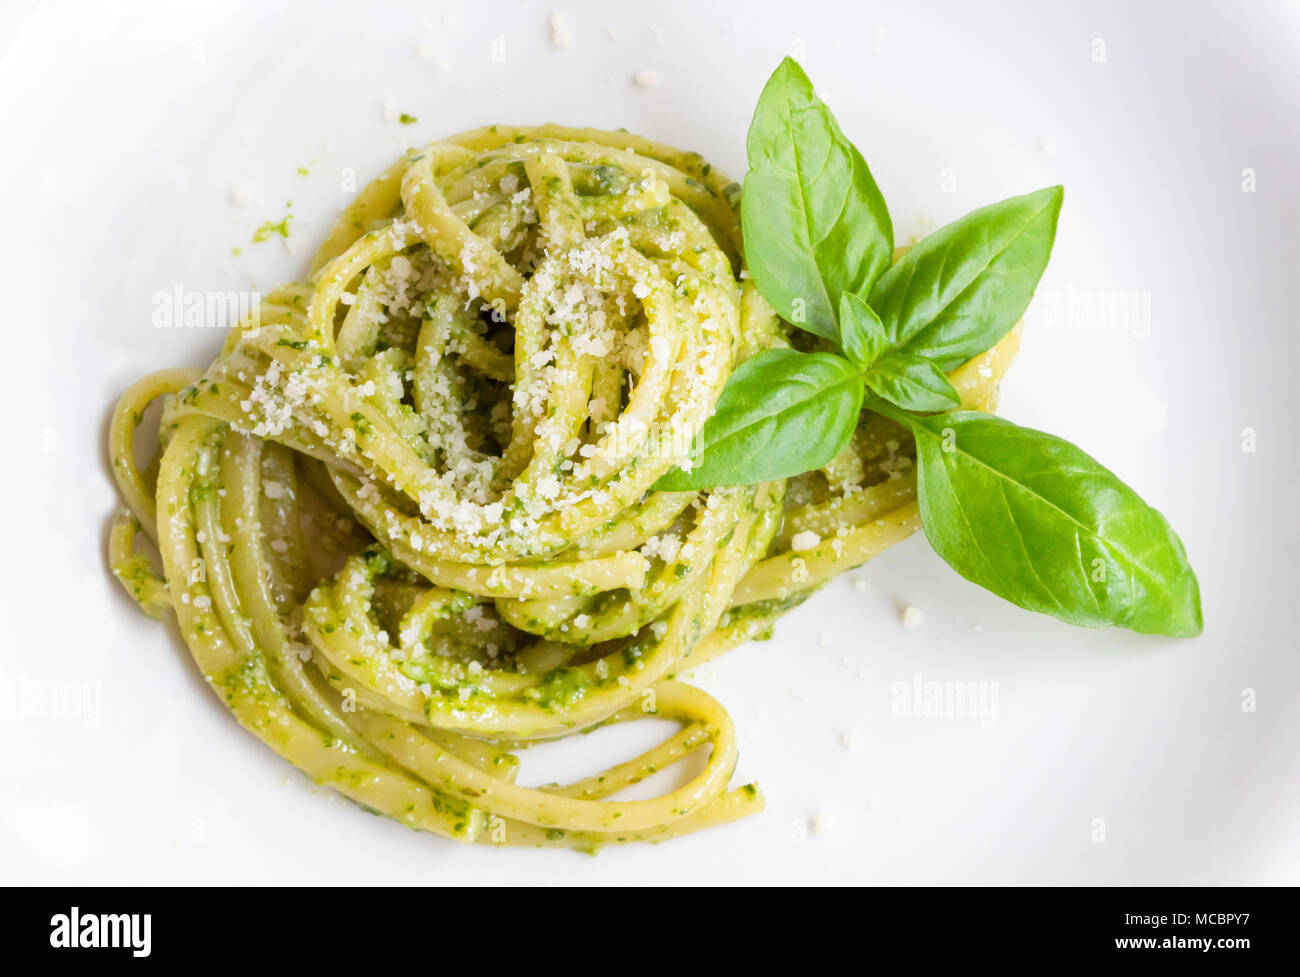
<point>782,413</point>
<point>1037,521</point>
<point>960,290</point>
<point>815,223</point>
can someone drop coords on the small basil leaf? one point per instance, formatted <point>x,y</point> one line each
<point>815,224</point>
<point>862,334</point>
<point>960,290</point>
<point>912,383</point>
<point>1037,521</point>
<point>781,413</point>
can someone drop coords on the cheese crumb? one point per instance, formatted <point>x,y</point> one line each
<point>912,617</point>
<point>803,541</point>
<point>646,78</point>
<point>823,824</point>
<point>561,30</point>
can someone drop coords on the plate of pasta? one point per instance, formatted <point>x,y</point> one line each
<point>678,482</point>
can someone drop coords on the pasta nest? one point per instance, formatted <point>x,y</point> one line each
<point>407,519</point>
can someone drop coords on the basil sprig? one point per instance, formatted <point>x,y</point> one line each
<point>1023,514</point>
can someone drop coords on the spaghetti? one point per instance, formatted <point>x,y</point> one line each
<point>406,519</point>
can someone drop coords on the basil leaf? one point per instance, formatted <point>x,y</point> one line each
<point>781,413</point>
<point>912,383</point>
<point>862,334</point>
<point>961,289</point>
<point>1037,521</point>
<point>815,224</point>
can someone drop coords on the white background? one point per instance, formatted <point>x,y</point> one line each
<point>126,124</point>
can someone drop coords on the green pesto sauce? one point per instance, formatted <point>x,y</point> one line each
<point>562,687</point>
<point>269,229</point>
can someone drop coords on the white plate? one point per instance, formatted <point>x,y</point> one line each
<point>1112,757</point>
